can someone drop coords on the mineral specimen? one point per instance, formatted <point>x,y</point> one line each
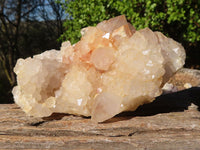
<point>113,68</point>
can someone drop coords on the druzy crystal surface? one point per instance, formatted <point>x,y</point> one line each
<point>113,68</point>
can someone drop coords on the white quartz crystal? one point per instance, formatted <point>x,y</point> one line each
<point>113,68</point>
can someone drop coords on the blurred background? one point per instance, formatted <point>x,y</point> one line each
<point>29,27</point>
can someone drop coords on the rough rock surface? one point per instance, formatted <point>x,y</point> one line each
<point>172,122</point>
<point>113,68</point>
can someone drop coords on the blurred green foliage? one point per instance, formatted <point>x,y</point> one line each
<point>179,19</point>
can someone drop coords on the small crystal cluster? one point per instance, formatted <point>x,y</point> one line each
<point>113,68</point>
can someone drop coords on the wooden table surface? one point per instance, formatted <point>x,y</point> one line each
<point>172,121</point>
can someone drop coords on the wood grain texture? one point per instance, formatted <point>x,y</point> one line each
<point>167,123</point>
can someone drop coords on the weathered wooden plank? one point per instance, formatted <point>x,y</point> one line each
<point>166,130</point>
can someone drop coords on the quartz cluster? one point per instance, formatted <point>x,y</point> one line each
<point>113,68</point>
